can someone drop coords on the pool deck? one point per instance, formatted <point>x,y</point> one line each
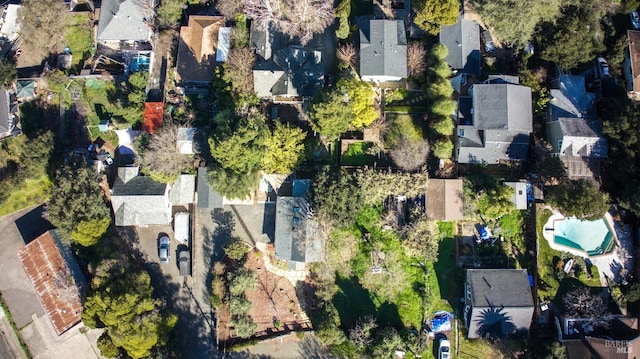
<point>608,264</point>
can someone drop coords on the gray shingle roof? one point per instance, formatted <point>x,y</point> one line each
<point>124,20</point>
<point>569,98</point>
<point>502,106</point>
<point>207,197</point>
<point>295,231</point>
<point>183,190</point>
<point>383,48</point>
<point>293,71</point>
<point>6,122</point>
<point>139,200</point>
<point>463,41</point>
<point>499,288</point>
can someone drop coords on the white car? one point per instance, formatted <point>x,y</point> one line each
<point>444,350</point>
<point>635,20</point>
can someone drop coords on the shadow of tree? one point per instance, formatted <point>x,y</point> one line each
<point>495,323</point>
<point>310,347</point>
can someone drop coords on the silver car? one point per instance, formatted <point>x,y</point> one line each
<point>164,245</point>
<point>635,20</point>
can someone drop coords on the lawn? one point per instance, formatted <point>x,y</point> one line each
<point>78,37</point>
<point>356,155</point>
<point>33,191</point>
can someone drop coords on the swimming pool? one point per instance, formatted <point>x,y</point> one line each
<point>592,237</point>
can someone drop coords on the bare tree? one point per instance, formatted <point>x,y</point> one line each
<point>238,69</point>
<point>416,59</point>
<point>360,334</point>
<point>347,54</point>
<point>42,24</point>
<point>409,154</point>
<point>581,303</point>
<point>162,159</point>
<point>296,18</point>
<point>229,8</point>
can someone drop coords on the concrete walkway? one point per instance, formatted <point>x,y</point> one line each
<point>9,344</point>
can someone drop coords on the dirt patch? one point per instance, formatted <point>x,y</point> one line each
<point>274,304</point>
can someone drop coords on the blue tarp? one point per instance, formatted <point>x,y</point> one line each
<point>441,321</point>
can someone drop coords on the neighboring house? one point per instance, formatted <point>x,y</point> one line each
<point>383,50</point>
<point>183,190</point>
<point>125,21</point>
<point>494,122</point>
<point>198,49</point>
<point>10,26</point>
<point>444,199</point>
<point>152,116</point>
<point>519,196</point>
<point>631,64</point>
<point>8,115</point>
<point>497,303</point>
<point>185,142</point>
<point>56,278</point>
<point>462,39</point>
<point>573,131</point>
<point>298,238</point>
<point>139,200</point>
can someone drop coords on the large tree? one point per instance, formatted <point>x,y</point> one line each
<point>360,97</point>
<point>296,18</point>
<point>579,198</point>
<point>169,13</point>
<point>42,24</point>
<point>581,303</point>
<point>238,141</point>
<point>515,21</point>
<point>162,159</point>
<point>76,197</point>
<point>121,301</point>
<point>284,149</point>
<point>335,196</point>
<point>432,14</point>
<point>8,72</point>
<point>233,185</point>
<point>238,70</point>
<point>330,115</point>
<point>410,154</point>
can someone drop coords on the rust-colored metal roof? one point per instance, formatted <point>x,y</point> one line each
<point>152,116</point>
<point>52,280</point>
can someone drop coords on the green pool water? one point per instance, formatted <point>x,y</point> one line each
<point>592,237</point>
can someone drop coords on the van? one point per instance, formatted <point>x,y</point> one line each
<point>181,227</point>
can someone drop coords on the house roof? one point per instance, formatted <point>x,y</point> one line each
<point>185,141</point>
<point>197,49</point>
<point>51,268</point>
<point>25,88</point>
<point>267,42</point>
<point>125,20</point>
<point>444,199</point>
<point>491,146</point>
<point>499,288</point>
<point>634,52</point>
<point>152,116</point>
<point>224,44</point>
<point>383,48</point>
<point>139,200</point>
<point>502,106</point>
<point>183,189</point>
<point>582,138</point>
<point>570,98</point>
<point>207,197</point>
<point>519,196</point>
<point>292,71</point>
<point>10,26</point>
<point>296,234</point>
<point>463,41</point>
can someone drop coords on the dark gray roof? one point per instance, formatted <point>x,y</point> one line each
<point>296,236</point>
<point>183,190</point>
<point>578,127</point>
<point>292,71</point>
<point>266,43</point>
<point>463,41</point>
<point>207,197</point>
<point>502,106</point>
<point>139,200</point>
<point>569,98</point>
<point>124,20</point>
<point>499,288</point>
<point>128,183</point>
<point>491,146</point>
<point>383,48</point>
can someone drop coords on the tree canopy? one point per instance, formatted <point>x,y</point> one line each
<point>335,196</point>
<point>42,24</point>
<point>360,98</point>
<point>121,302</point>
<point>330,115</point>
<point>76,197</point>
<point>169,13</point>
<point>431,14</point>
<point>579,198</point>
<point>161,159</point>
<point>233,185</point>
<point>284,149</point>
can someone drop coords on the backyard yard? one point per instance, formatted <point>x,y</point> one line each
<point>78,38</point>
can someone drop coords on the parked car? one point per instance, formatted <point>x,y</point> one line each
<point>488,41</point>
<point>164,247</point>
<point>184,261</point>
<point>635,20</point>
<point>603,67</point>
<point>444,349</point>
